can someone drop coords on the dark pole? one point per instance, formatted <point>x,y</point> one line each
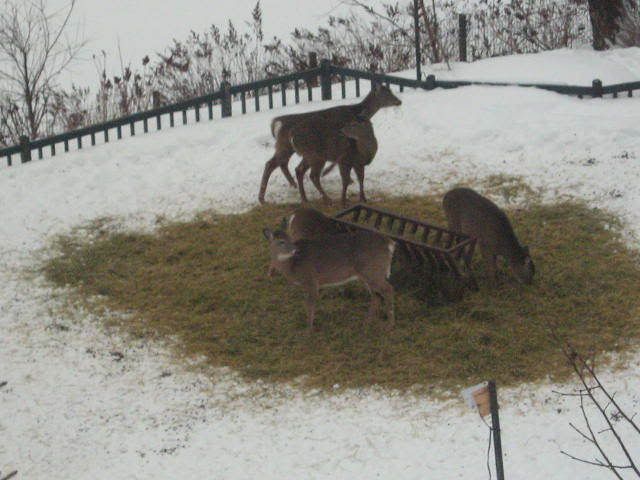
<point>416,27</point>
<point>495,427</point>
<point>462,37</point>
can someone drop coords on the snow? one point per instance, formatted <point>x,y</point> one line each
<point>74,407</point>
<point>564,66</point>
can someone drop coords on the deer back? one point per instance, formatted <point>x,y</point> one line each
<point>469,212</point>
<point>309,223</point>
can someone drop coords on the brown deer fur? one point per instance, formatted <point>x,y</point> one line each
<point>318,125</point>
<point>469,212</point>
<point>334,260</point>
<point>309,224</point>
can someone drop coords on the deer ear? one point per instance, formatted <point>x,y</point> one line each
<point>268,234</point>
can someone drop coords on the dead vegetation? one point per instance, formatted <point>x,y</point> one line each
<point>204,284</point>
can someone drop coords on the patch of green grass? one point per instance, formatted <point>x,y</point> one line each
<point>204,283</point>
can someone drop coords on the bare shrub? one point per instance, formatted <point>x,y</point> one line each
<point>629,26</point>
<point>35,47</point>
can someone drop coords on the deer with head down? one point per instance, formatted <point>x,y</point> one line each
<point>470,213</point>
<point>319,125</point>
<point>332,260</point>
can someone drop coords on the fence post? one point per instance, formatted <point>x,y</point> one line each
<point>596,85</point>
<point>25,149</point>
<point>313,63</point>
<point>495,427</point>
<point>431,82</point>
<point>325,79</point>
<point>226,99</point>
<point>416,28</point>
<point>462,37</point>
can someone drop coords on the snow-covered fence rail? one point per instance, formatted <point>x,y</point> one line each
<point>327,74</point>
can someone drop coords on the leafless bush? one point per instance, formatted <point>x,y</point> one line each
<point>378,39</point>
<point>607,426</point>
<point>526,26</point>
<point>35,47</point>
<point>629,26</point>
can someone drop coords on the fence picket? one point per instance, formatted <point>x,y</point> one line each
<point>310,77</point>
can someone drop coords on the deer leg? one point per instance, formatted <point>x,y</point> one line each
<point>360,174</point>
<point>279,159</point>
<point>374,306</point>
<point>345,173</point>
<point>316,170</point>
<point>310,302</point>
<point>383,289</point>
<point>269,167</point>
<point>285,170</point>
<point>327,170</point>
<point>489,260</point>
<point>301,169</point>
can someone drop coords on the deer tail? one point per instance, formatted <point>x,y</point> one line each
<point>276,125</point>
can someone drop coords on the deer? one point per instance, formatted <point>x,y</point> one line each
<point>320,123</point>
<point>470,213</point>
<point>309,223</point>
<point>306,223</point>
<point>353,146</point>
<point>333,260</point>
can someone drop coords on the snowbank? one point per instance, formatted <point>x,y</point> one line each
<point>563,66</point>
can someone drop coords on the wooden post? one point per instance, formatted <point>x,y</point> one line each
<point>416,28</point>
<point>25,149</point>
<point>226,99</point>
<point>596,85</point>
<point>313,63</point>
<point>462,37</point>
<point>325,79</point>
<point>495,427</point>
<point>431,82</point>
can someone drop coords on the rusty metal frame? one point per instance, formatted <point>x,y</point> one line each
<point>442,250</point>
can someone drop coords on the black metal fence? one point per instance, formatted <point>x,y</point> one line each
<point>326,75</point>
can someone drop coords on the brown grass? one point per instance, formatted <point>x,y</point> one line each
<point>204,283</point>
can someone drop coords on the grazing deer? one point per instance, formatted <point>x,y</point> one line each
<point>469,212</point>
<point>308,224</point>
<point>319,124</point>
<point>335,260</point>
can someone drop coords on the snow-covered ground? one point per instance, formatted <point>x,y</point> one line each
<point>563,66</point>
<point>74,408</point>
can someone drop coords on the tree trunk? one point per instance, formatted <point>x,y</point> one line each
<point>605,20</point>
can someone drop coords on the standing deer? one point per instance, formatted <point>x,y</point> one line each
<point>335,260</point>
<point>319,125</point>
<point>353,146</point>
<point>470,213</point>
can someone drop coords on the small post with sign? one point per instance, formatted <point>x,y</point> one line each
<point>484,397</point>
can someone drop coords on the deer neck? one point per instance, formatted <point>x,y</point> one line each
<point>369,106</point>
